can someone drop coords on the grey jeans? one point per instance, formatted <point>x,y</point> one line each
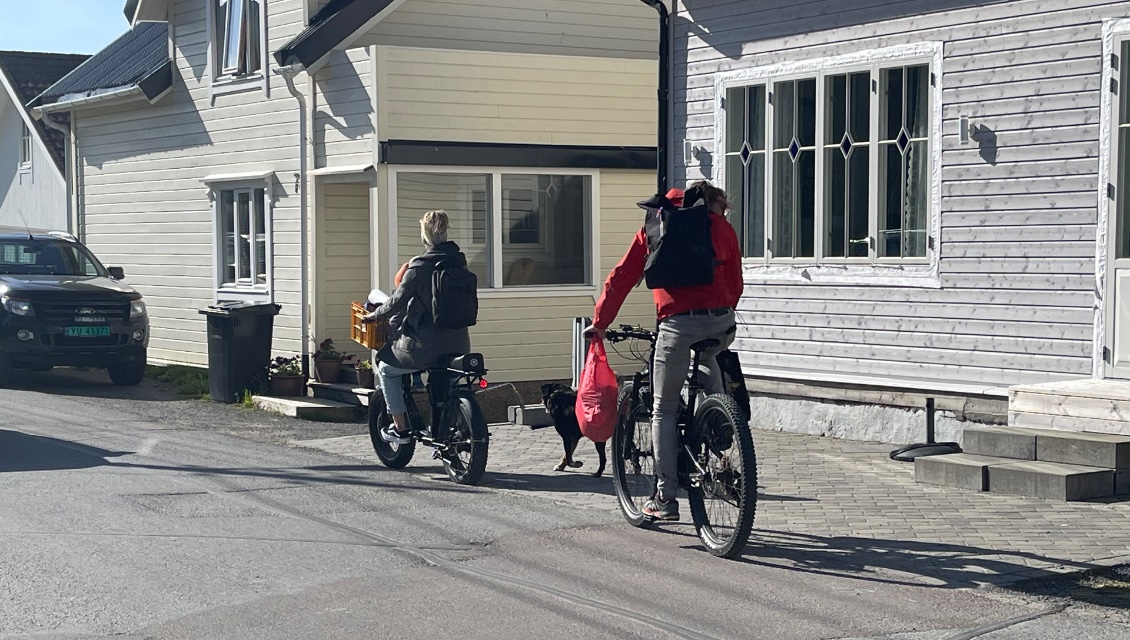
<point>669,372</point>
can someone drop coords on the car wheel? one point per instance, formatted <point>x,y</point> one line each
<point>128,374</point>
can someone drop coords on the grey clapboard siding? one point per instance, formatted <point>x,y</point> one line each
<point>1018,241</point>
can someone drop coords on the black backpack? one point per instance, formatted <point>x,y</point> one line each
<point>680,247</point>
<point>455,296</point>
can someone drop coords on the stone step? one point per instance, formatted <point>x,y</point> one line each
<point>315,409</point>
<point>341,392</point>
<point>961,470</point>
<point>1051,480</point>
<point>1000,442</point>
<point>530,415</point>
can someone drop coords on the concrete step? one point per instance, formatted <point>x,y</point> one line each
<point>530,415</point>
<point>960,470</point>
<point>1089,449</point>
<point>1000,442</point>
<point>341,392</point>
<point>1051,480</point>
<point>315,409</point>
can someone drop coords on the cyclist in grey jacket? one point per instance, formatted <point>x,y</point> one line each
<point>419,343</point>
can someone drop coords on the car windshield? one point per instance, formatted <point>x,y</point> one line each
<point>32,256</point>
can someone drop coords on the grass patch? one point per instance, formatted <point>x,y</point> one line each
<point>189,381</point>
<point>247,400</point>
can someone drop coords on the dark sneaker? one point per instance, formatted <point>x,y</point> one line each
<point>390,435</point>
<point>661,510</point>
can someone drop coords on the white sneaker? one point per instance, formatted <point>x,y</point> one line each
<point>390,435</point>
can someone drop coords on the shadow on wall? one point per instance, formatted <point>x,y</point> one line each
<point>348,105</point>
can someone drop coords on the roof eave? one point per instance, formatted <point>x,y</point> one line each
<point>338,31</point>
<point>147,11</point>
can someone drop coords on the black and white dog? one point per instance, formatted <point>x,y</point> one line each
<point>560,401</point>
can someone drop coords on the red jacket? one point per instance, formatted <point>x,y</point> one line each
<point>725,291</point>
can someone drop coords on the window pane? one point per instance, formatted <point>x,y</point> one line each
<point>794,211</point>
<point>1124,83</point>
<point>735,188</point>
<point>1123,223</point>
<point>806,112</point>
<point>233,40</point>
<point>243,222</point>
<point>890,189</point>
<point>462,196</point>
<point>755,207</point>
<point>254,39</point>
<point>917,200</point>
<point>552,221</point>
<point>860,106</point>
<point>918,101</point>
<point>260,238</point>
<point>892,103</point>
<point>735,119</point>
<point>858,202</point>
<point>835,104</point>
<point>806,205</point>
<point>784,114</point>
<point>784,205</point>
<point>835,204</point>
<point>755,131</point>
<point>227,234</point>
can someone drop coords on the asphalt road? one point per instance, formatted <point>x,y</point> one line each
<point>136,514</point>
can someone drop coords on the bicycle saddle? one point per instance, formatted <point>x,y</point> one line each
<point>467,363</point>
<point>705,345</point>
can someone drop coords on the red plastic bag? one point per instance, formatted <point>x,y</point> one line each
<point>596,397</point>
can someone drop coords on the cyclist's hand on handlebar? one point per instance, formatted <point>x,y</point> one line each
<point>592,331</point>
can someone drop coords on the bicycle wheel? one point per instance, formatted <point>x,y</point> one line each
<point>465,458</point>
<point>393,456</point>
<point>633,469</point>
<point>724,499</point>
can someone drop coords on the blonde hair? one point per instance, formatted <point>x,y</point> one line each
<point>433,227</point>
<point>712,195</point>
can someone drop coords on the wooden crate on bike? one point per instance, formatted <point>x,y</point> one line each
<point>371,335</point>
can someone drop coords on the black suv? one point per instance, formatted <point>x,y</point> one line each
<point>60,307</point>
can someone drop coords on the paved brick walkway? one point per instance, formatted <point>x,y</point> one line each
<point>833,506</point>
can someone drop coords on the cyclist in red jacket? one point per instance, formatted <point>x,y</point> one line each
<point>686,315</point>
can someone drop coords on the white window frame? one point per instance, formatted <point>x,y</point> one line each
<point>222,82</point>
<point>495,289</point>
<point>246,291</point>
<point>915,272</point>
<point>27,143</point>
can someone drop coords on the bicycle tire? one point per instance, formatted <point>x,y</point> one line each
<point>467,425</point>
<point>393,456</point>
<point>726,540</point>
<point>629,483</point>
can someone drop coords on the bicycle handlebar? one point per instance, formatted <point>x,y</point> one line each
<point>628,332</point>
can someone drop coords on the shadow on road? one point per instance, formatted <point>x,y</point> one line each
<point>90,383</point>
<point>23,452</point>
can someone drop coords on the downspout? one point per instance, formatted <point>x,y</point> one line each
<point>663,178</point>
<point>288,74</point>
<point>70,154</point>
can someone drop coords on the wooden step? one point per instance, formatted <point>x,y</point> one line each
<point>1088,405</point>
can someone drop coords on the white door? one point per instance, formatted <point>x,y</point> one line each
<point>1116,351</point>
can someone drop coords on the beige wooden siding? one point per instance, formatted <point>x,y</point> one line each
<point>343,260</point>
<point>528,337</point>
<point>343,120</point>
<point>1018,210</point>
<point>146,208</point>
<point>533,99</point>
<point>573,27</point>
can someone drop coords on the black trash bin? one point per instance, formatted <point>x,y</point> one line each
<point>239,347</point>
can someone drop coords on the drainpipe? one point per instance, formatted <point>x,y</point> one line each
<point>664,91</point>
<point>68,171</point>
<point>288,74</point>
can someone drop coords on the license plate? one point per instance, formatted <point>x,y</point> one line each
<point>86,332</point>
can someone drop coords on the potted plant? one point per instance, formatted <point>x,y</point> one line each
<point>365,377</point>
<point>286,376</point>
<point>327,361</point>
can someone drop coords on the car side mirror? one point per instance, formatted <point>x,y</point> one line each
<point>117,273</point>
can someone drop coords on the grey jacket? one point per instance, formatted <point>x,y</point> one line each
<point>419,344</point>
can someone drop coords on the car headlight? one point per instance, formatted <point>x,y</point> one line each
<point>136,309</point>
<point>17,307</point>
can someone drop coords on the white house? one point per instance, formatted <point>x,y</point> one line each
<point>283,151</point>
<point>33,187</point>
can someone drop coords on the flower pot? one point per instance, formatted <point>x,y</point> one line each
<point>365,378</point>
<point>327,370</point>
<point>287,385</point>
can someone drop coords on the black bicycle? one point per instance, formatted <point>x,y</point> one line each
<point>456,429</point>
<point>717,464</point>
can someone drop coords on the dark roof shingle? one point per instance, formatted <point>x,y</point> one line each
<point>31,73</point>
<point>139,57</point>
<point>328,28</point>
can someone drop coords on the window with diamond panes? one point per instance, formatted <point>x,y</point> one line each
<point>745,166</point>
<point>904,152</point>
<point>794,169</point>
<point>847,165</point>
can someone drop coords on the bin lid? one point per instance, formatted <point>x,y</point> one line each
<point>241,308</point>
